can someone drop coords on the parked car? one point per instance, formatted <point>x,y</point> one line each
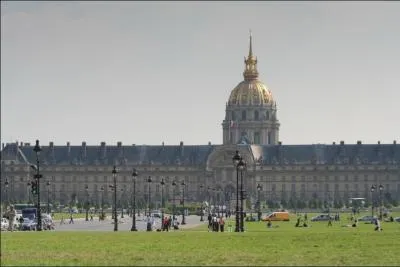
<point>28,225</point>
<point>321,218</point>
<point>366,218</point>
<point>397,219</point>
<point>4,224</point>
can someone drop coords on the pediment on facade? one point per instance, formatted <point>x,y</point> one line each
<point>222,156</point>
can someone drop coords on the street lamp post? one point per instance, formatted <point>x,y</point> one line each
<point>259,188</point>
<point>48,197</point>
<point>162,201</point>
<point>114,173</point>
<point>37,176</point>
<point>6,185</point>
<point>148,197</point>
<point>236,159</point>
<point>201,206</point>
<point>242,166</point>
<point>372,200</point>
<point>29,193</point>
<point>174,205</point>
<point>134,175</point>
<point>183,203</point>
<point>149,226</point>
<point>102,203</point>
<point>122,202</point>
<point>87,202</point>
<point>380,201</point>
<point>209,200</point>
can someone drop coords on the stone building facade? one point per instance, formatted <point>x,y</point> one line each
<point>325,172</point>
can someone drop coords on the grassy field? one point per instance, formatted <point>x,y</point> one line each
<point>282,245</point>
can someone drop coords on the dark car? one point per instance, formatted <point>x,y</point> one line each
<point>321,218</point>
<point>397,219</point>
<point>28,225</point>
<point>366,218</point>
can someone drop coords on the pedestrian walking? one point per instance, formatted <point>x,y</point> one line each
<point>221,224</point>
<point>11,217</point>
<point>71,219</point>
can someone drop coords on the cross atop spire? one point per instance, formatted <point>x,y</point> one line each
<point>251,46</point>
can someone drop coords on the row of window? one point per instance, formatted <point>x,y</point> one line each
<point>257,115</point>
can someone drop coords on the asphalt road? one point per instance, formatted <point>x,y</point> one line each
<point>124,224</point>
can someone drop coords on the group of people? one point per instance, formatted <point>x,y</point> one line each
<point>216,224</point>
<point>168,222</point>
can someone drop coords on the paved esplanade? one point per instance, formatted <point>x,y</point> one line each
<point>124,225</point>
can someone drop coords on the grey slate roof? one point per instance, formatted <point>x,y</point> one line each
<point>120,155</point>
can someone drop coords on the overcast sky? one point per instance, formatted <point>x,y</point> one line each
<point>148,72</point>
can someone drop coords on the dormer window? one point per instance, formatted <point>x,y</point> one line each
<point>244,115</point>
<point>256,115</point>
<point>267,115</point>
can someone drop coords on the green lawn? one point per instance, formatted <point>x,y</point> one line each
<point>284,245</point>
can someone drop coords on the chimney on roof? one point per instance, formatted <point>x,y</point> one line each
<point>342,142</point>
<point>21,144</point>
<point>394,142</point>
<point>209,143</point>
<point>103,150</point>
<point>379,142</point>
<point>358,142</point>
<point>280,143</point>
<point>84,150</point>
<point>334,143</point>
<point>163,143</point>
<point>27,144</point>
<point>2,146</point>
<point>68,150</point>
<point>119,144</point>
<point>181,148</point>
<point>51,144</point>
<point>181,143</point>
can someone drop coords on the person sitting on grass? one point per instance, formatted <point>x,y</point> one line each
<point>269,224</point>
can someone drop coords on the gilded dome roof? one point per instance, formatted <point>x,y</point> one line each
<point>251,91</point>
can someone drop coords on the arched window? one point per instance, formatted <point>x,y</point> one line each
<point>256,115</point>
<point>233,115</point>
<point>244,115</point>
<point>267,115</point>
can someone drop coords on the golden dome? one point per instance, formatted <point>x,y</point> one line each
<point>251,91</point>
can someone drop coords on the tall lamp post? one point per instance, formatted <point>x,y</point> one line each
<point>102,201</point>
<point>259,188</point>
<point>48,197</point>
<point>380,201</point>
<point>87,202</point>
<point>162,201</point>
<point>174,205</point>
<point>209,200</point>
<point>6,185</point>
<point>183,203</point>
<point>148,197</point>
<point>372,200</point>
<point>201,206</point>
<point>29,193</point>
<point>37,177</point>
<point>236,159</point>
<point>134,175</point>
<point>242,166</point>
<point>114,173</point>
<point>122,202</point>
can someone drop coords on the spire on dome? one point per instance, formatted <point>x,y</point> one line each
<point>250,71</point>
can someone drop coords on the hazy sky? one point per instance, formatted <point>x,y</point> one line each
<point>148,72</point>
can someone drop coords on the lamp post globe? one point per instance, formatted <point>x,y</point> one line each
<point>134,175</point>
<point>114,174</point>
<point>236,159</point>
<point>37,149</point>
